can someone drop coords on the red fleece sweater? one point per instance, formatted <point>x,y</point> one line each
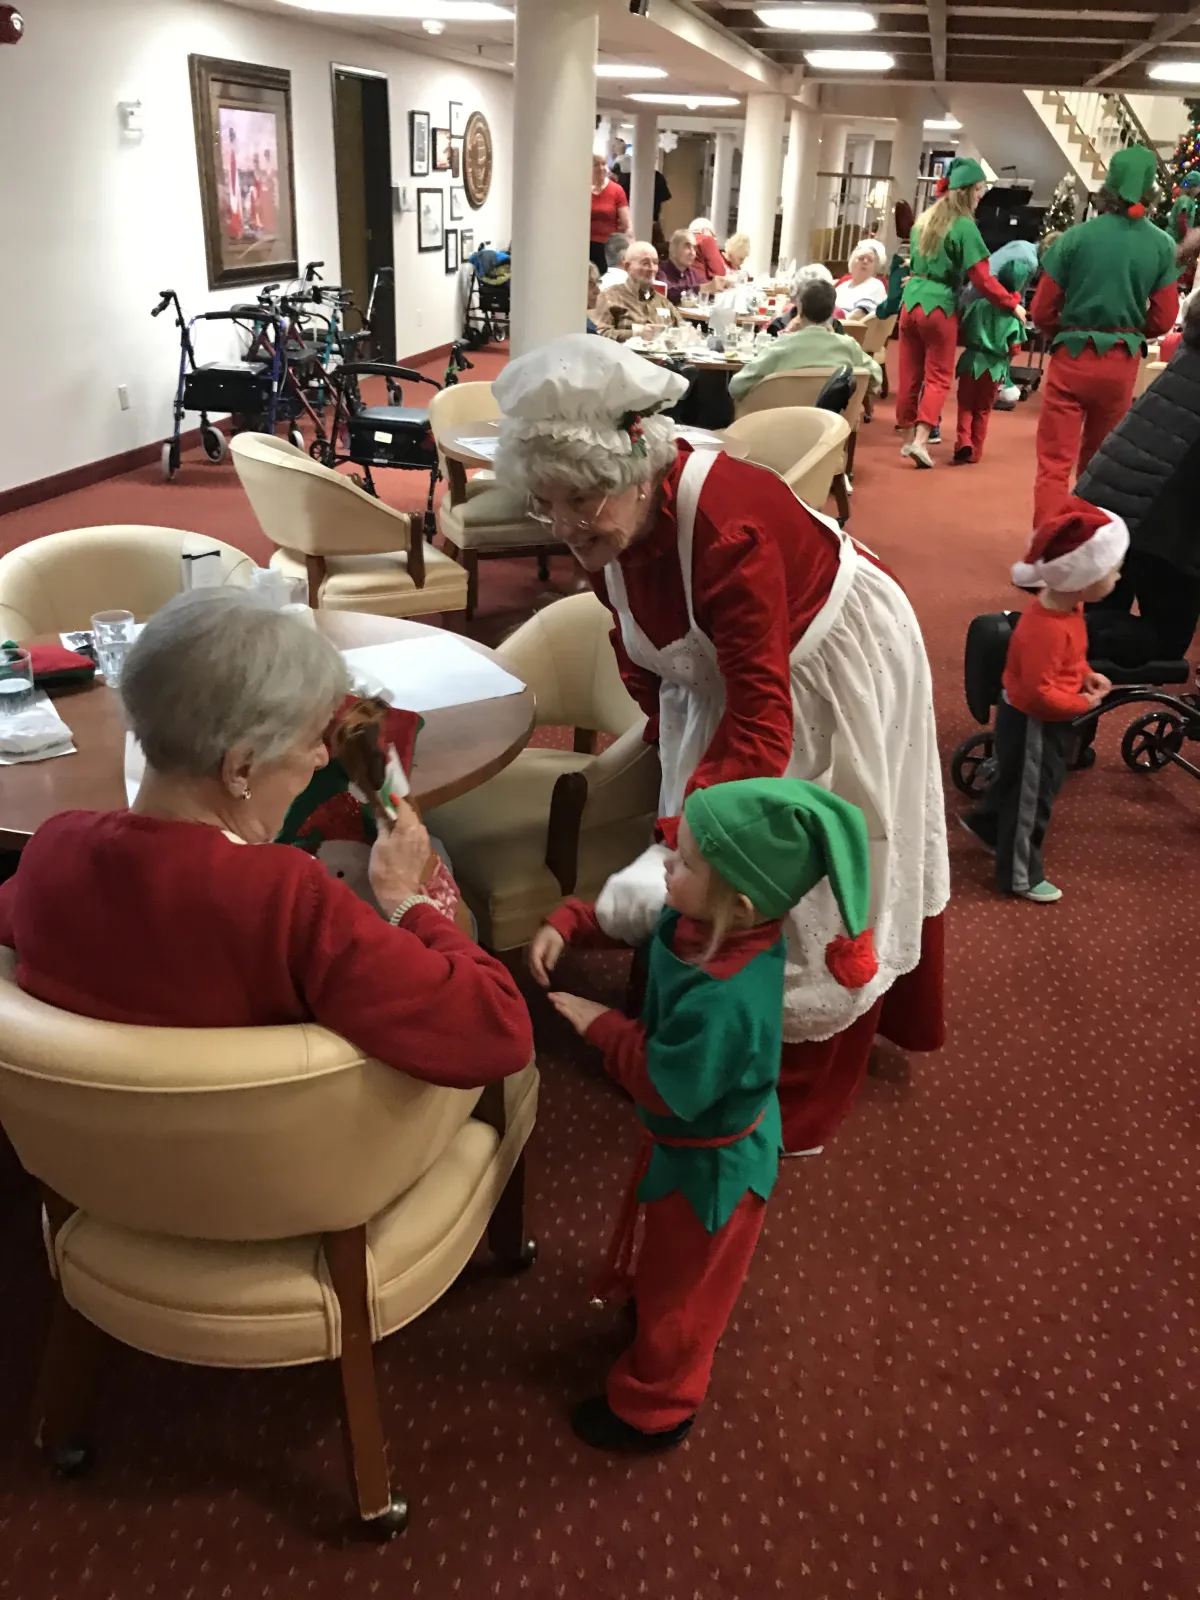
<point>1047,660</point>
<point>171,924</point>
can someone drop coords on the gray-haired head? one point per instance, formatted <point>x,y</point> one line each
<point>615,247</point>
<point>214,671</point>
<point>814,272</point>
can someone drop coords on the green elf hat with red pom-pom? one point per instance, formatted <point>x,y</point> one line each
<point>774,839</point>
<point>1131,176</point>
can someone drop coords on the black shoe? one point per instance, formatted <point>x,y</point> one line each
<point>936,436</point>
<point>964,456</point>
<point>597,1424</point>
<point>968,826</point>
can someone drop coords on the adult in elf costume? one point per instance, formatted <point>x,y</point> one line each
<point>701,1064</point>
<point>990,336</point>
<point>760,641</point>
<point>946,251</point>
<point>1107,285</point>
<point>1182,216</point>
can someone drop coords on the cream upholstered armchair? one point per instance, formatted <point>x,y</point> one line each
<point>806,447</point>
<point>479,519</point>
<point>872,334</point>
<point>251,1197</point>
<point>800,387</point>
<point>354,552</point>
<point>57,583</point>
<point>556,822</point>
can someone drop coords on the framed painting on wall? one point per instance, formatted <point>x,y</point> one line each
<point>418,144</point>
<point>441,149</point>
<point>466,243</point>
<point>458,119</point>
<point>243,120</point>
<point>477,160</point>
<point>451,249</point>
<point>458,205</point>
<point>456,149</point>
<point>431,219</point>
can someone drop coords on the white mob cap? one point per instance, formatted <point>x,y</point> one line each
<point>581,386</point>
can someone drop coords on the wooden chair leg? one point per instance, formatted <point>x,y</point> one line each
<point>470,560</point>
<point>63,1398</point>
<point>841,498</point>
<point>543,562</point>
<point>385,1513</point>
<point>515,1250</point>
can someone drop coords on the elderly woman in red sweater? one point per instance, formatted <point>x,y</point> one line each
<point>181,912</point>
<point>761,642</point>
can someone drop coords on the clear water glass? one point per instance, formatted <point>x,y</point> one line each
<point>112,634</point>
<point>16,681</point>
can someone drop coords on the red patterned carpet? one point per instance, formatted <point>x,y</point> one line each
<point>964,1366</point>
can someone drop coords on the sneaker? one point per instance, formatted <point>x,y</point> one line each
<point>1042,894</point>
<point>794,1155</point>
<point>964,456</point>
<point>964,823</point>
<point>597,1424</point>
<point>936,436</point>
<point>918,453</point>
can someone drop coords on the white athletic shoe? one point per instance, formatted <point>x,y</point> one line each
<point>918,453</point>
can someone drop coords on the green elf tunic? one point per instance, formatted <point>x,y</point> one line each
<point>988,334</point>
<point>935,280</point>
<point>1107,270</point>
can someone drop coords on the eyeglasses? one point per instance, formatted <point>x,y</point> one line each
<point>565,515</point>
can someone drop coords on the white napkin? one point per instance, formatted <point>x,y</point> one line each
<point>36,734</point>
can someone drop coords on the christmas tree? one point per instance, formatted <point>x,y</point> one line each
<point>1060,213</point>
<point>1185,160</point>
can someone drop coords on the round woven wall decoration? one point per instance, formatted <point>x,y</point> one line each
<point>477,160</point>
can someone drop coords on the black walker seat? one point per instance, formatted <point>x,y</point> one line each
<point>1151,741</point>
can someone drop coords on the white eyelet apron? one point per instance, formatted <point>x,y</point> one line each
<point>862,705</point>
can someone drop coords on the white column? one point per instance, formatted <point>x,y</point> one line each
<point>799,187</point>
<point>906,164</point>
<point>722,185</point>
<point>645,163</point>
<point>762,174</point>
<point>554,124</point>
<point>832,163</point>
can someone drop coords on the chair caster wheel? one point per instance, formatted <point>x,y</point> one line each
<point>388,1523</point>
<point>70,1460</point>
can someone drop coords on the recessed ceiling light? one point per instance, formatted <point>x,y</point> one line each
<point>693,102</point>
<point>1176,71</point>
<point>628,71</point>
<point>432,25</point>
<point>850,60</point>
<point>818,19</point>
<point>410,10</point>
<point>942,124</point>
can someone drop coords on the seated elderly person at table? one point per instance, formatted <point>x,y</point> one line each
<point>737,253</point>
<point>182,912</point>
<point>710,263</point>
<point>815,271</point>
<point>635,306</point>
<point>861,290</point>
<point>614,255</point>
<point>814,344</point>
<point>679,271</point>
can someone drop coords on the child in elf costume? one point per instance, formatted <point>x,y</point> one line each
<point>990,336</point>
<point>1183,210</point>
<point>702,1066</point>
<point>1107,286</point>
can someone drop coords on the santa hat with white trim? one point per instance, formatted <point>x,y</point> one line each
<point>1078,546</point>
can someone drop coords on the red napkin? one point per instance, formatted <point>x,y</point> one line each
<point>55,667</point>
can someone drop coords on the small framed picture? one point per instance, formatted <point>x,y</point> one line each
<point>458,119</point>
<point>466,243</point>
<point>418,144</point>
<point>451,249</point>
<point>456,159</point>
<point>431,219</point>
<point>441,149</point>
<point>458,205</point>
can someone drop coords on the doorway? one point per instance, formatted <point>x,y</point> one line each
<point>362,146</point>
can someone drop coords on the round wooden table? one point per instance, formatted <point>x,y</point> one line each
<point>454,444</point>
<point>459,747</point>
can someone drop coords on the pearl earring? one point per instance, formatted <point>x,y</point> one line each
<point>246,792</point>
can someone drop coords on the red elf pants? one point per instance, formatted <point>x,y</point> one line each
<point>927,345</point>
<point>819,1080</point>
<point>686,1284</point>
<point>976,398</point>
<point>1083,399</point>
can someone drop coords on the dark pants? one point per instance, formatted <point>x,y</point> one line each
<point>597,257</point>
<point>1168,602</point>
<point>1012,817</point>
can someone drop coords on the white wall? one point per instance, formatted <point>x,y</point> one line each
<point>1164,117</point>
<point>1000,122</point>
<point>94,224</point>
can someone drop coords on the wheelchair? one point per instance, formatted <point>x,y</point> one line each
<point>1152,741</point>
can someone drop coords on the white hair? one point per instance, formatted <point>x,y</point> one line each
<point>814,272</point>
<point>214,669</point>
<point>874,247</point>
<point>701,225</point>
<point>583,458</point>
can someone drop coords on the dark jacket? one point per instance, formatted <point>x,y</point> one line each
<point>1148,469</point>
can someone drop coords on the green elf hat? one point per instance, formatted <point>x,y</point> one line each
<point>774,839</point>
<point>1192,180</point>
<point>1131,176</point>
<point>962,174</point>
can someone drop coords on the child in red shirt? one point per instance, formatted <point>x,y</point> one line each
<point>1075,559</point>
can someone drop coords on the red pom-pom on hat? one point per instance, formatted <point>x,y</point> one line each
<point>853,962</point>
<point>1137,212</point>
<point>942,187</point>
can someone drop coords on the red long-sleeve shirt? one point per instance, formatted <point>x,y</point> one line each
<point>990,287</point>
<point>134,919</point>
<point>1049,298</point>
<point>1047,660</point>
<point>762,568</point>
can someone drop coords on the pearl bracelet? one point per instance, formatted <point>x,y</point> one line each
<point>406,906</point>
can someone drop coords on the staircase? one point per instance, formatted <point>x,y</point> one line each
<point>1090,128</point>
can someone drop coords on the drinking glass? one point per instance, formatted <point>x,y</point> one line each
<point>112,632</point>
<point>729,339</point>
<point>16,681</point>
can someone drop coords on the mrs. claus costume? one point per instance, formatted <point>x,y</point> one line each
<point>761,641</point>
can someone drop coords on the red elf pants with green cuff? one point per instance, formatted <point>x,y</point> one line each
<point>927,346</point>
<point>1083,399</point>
<point>976,401</point>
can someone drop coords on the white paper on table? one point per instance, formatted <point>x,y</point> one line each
<point>428,674</point>
<point>699,438</point>
<point>486,446</point>
<point>135,768</point>
<point>66,746</point>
